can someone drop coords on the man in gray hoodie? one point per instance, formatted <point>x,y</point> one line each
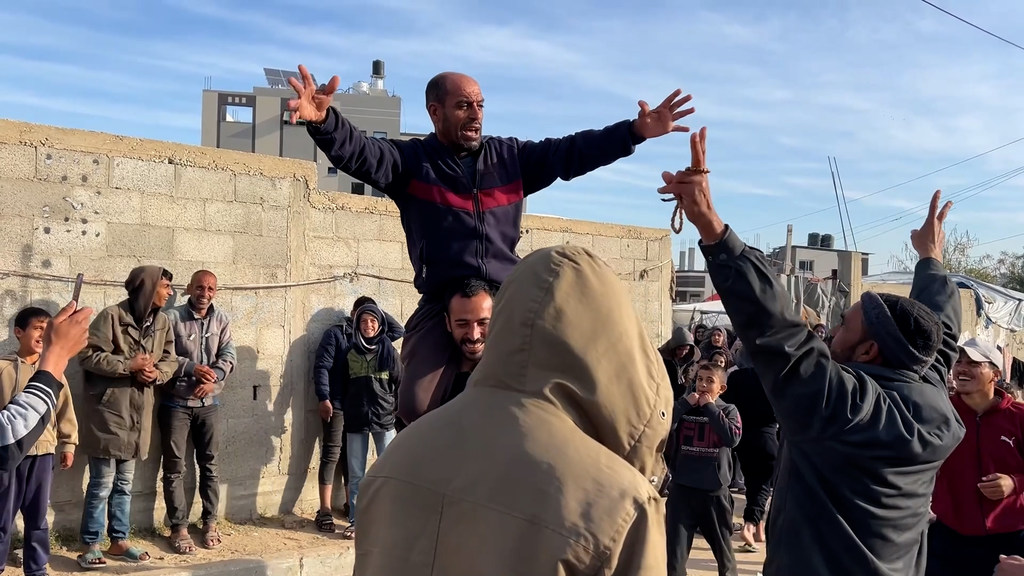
<point>681,357</point>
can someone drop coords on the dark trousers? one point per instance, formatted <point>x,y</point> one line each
<point>953,554</point>
<point>333,447</point>
<point>758,452</point>
<point>177,425</point>
<point>29,493</point>
<point>688,510</point>
<point>428,364</point>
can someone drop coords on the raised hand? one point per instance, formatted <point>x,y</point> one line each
<point>662,120</point>
<point>65,335</point>
<point>693,193</point>
<point>930,238</point>
<point>312,102</point>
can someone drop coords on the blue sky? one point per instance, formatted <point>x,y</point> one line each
<point>892,88</point>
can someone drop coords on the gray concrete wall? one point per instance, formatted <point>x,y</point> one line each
<point>290,259</point>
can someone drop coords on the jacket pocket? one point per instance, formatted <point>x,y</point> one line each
<point>105,397</point>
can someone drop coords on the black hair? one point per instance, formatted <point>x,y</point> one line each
<point>469,288</point>
<point>437,89</point>
<point>917,323</point>
<point>725,356</point>
<point>167,275</point>
<point>25,316</point>
<point>720,372</point>
<point>362,301</point>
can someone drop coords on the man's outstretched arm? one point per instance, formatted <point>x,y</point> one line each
<point>543,162</point>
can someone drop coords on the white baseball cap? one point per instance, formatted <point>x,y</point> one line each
<point>981,351</point>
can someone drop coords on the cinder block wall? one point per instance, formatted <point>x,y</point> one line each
<point>290,260</point>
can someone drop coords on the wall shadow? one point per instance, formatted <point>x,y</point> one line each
<point>247,440</point>
<point>296,402</point>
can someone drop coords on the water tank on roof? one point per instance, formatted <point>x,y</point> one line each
<point>814,239</point>
<point>378,68</point>
<point>361,87</point>
<point>827,241</point>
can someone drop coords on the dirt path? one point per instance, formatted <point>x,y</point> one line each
<point>274,535</point>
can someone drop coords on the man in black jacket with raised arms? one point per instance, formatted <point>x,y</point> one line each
<point>460,195</point>
<point>866,422</point>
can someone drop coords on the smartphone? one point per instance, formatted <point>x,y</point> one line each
<point>78,289</point>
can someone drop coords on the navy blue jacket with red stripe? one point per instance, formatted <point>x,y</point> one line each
<point>455,228</point>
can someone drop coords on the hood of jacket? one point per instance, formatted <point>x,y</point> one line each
<point>564,332</point>
<point>141,285</point>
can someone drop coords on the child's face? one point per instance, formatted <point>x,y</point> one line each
<point>30,340</point>
<point>708,383</point>
<point>368,325</point>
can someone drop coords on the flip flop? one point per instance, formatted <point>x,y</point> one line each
<point>92,560</point>
<point>750,548</point>
<point>132,555</point>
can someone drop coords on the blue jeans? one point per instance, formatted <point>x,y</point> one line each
<point>110,485</point>
<point>358,448</point>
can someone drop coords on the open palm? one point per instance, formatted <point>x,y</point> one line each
<point>312,102</point>
<point>651,123</point>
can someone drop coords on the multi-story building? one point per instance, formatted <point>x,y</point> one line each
<point>259,122</point>
<point>820,259</point>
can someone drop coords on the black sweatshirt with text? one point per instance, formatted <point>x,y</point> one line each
<point>699,449</point>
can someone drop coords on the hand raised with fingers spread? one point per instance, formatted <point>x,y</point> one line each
<point>312,102</point>
<point>930,238</point>
<point>651,123</point>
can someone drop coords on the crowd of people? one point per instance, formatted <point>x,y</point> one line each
<point>528,426</point>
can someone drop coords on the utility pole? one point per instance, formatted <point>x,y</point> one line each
<point>787,260</point>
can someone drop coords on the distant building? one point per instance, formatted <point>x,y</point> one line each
<point>259,122</point>
<point>820,259</point>
<point>692,284</point>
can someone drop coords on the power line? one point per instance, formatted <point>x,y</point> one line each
<point>875,193</point>
<point>947,12</point>
<point>1010,237</point>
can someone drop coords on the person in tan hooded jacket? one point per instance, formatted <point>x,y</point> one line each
<point>551,460</point>
<point>130,350</point>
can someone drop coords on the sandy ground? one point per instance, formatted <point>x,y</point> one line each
<point>270,536</point>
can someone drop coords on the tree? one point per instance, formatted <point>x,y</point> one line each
<point>957,258</point>
<point>1010,267</point>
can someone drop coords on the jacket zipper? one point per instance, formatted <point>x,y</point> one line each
<point>977,451</point>
<point>478,217</point>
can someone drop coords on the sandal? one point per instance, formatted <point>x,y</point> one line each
<point>132,555</point>
<point>211,537</point>
<point>183,544</point>
<point>349,533</point>
<point>325,521</point>
<point>92,559</point>
<point>747,547</point>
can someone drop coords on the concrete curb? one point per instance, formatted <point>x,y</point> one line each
<point>334,560</point>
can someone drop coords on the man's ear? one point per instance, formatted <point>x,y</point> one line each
<point>997,374</point>
<point>723,388</point>
<point>447,322</point>
<point>18,333</point>
<point>868,352</point>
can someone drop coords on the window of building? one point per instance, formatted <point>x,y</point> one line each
<point>358,188</point>
<point>806,266</point>
<point>332,171</point>
<point>377,134</point>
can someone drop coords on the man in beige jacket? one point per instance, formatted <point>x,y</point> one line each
<point>551,461</point>
<point>30,493</point>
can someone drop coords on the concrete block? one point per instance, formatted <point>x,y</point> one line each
<point>67,167</point>
<point>17,162</point>
<point>359,225</point>
<point>261,250</point>
<point>275,221</point>
<point>22,257</point>
<point>633,248</point>
<point>192,182</point>
<point>262,190</point>
<point>15,232</point>
<point>69,238</point>
<point>331,252</point>
<point>271,341</point>
<point>273,274</point>
<point>202,246</point>
<point>546,238</point>
<point>320,223</point>
<point>108,204</point>
<point>607,247</point>
<point>101,267</point>
<point>584,240</point>
<point>234,217</point>
<point>158,210</point>
<point>621,266</point>
<point>149,242</point>
<point>391,228</point>
<point>142,175</point>
<point>381,254</point>
<point>654,250</point>
<point>27,199</point>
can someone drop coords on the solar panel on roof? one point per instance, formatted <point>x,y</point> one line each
<point>277,78</point>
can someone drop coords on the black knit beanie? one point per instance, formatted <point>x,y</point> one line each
<point>917,322</point>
